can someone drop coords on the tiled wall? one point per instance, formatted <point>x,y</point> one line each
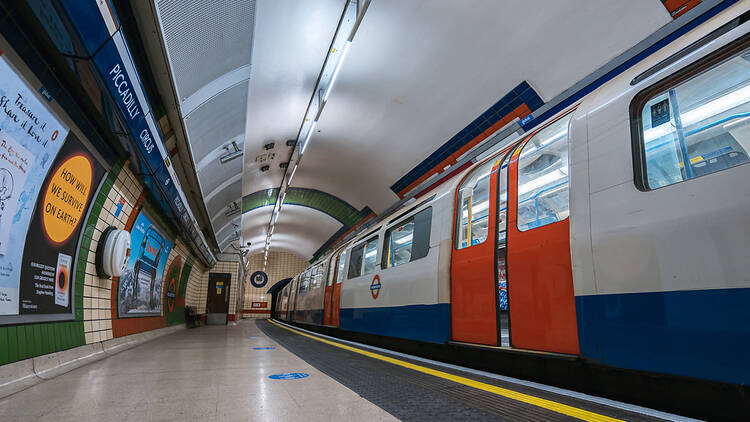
<point>281,265</point>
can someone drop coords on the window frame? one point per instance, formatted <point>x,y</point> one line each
<point>363,245</point>
<point>639,101</point>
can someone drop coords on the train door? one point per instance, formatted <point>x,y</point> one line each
<point>336,301</point>
<point>542,311</point>
<point>473,296</point>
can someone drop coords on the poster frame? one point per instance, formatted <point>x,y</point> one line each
<point>162,232</point>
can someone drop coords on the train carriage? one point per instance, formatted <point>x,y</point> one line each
<point>617,231</point>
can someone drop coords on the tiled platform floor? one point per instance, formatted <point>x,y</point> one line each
<point>204,374</point>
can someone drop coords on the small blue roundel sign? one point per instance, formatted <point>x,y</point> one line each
<point>289,376</point>
<point>259,279</point>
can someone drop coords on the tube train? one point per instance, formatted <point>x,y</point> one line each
<point>618,230</point>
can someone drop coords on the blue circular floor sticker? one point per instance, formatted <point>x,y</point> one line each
<point>289,376</point>
<point>263,348</point>
<point>259,279</point>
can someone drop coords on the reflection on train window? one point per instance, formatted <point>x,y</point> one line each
<point>342,264</point>
<point>543,177</point>
<point>364,258</point>
<point>317,277</point>
<point>408,240</point>
<point>700,126</point>
<point>474,206</point>
<point>304,281</point>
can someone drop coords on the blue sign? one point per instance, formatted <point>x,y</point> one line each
<point>263,348</point>
<point>526,119</point>
<point>289,376</point>
<point>259,279</point>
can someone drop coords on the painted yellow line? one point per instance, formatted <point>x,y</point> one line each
<point>525,398</point>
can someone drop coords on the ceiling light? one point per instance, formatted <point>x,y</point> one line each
<point>233,151</point>
<point>336,71</point>
<point>307,138</point>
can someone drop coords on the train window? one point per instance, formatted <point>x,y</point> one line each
<point>543,177</point>
<point>473,207</point>
<point>696,127</point>
<point>342,264</point>
<point>408,240</point>
<point>371,256</point>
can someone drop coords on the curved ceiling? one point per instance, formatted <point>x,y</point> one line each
<point>418,77</point>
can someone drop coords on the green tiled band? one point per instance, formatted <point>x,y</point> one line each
<point>311,198</point>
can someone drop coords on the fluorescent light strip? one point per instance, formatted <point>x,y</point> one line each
<point>307,138</point>
<point>336,71</point>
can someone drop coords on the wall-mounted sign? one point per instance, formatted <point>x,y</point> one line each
<point>172,282</point>
<point>30,138</point>
<point>140,287</point>
<point>259,279</point>
<point>47,265</point>
<point>259,305</point>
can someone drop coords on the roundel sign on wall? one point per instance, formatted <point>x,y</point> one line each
<point>173,282</point>
<point>259,279</point>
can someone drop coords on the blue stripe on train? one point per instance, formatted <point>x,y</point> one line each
<point>700,334</point>
<point>429,323</point>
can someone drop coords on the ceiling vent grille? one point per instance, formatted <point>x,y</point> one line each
<point>198,36</point>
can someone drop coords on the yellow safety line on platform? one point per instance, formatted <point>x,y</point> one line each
<point>525,398</point>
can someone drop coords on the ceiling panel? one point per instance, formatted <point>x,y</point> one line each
<point>206,41</point>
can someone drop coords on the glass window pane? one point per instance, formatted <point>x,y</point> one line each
<point>543,177</point>
<point>700,126</point>
<point>371,256</point>
<point>474,203</point>
<point>342,263</point>
<point>400,243</point>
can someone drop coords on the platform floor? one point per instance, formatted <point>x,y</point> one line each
<point>222,374</point>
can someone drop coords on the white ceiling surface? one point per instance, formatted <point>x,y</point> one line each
<point>299,230</point>
<point>416,74</point>
<point>209,51</point>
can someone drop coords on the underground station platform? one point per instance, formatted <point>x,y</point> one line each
<point>269,370</point>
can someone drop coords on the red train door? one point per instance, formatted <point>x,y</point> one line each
<point>540,280</point>
<point>473,302</point>
<point>328,295</point>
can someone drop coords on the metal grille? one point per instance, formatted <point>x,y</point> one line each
<point>206,40</point>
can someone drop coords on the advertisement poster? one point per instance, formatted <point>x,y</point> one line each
<point>56,224</point>
<point>140,287</point>
<point>30,138</point>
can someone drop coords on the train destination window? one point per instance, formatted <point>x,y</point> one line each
<point>342,265</point>
<point>408,240</point>
<point>696,127</point>
<point>543,177</point>
<point>474,207</point>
